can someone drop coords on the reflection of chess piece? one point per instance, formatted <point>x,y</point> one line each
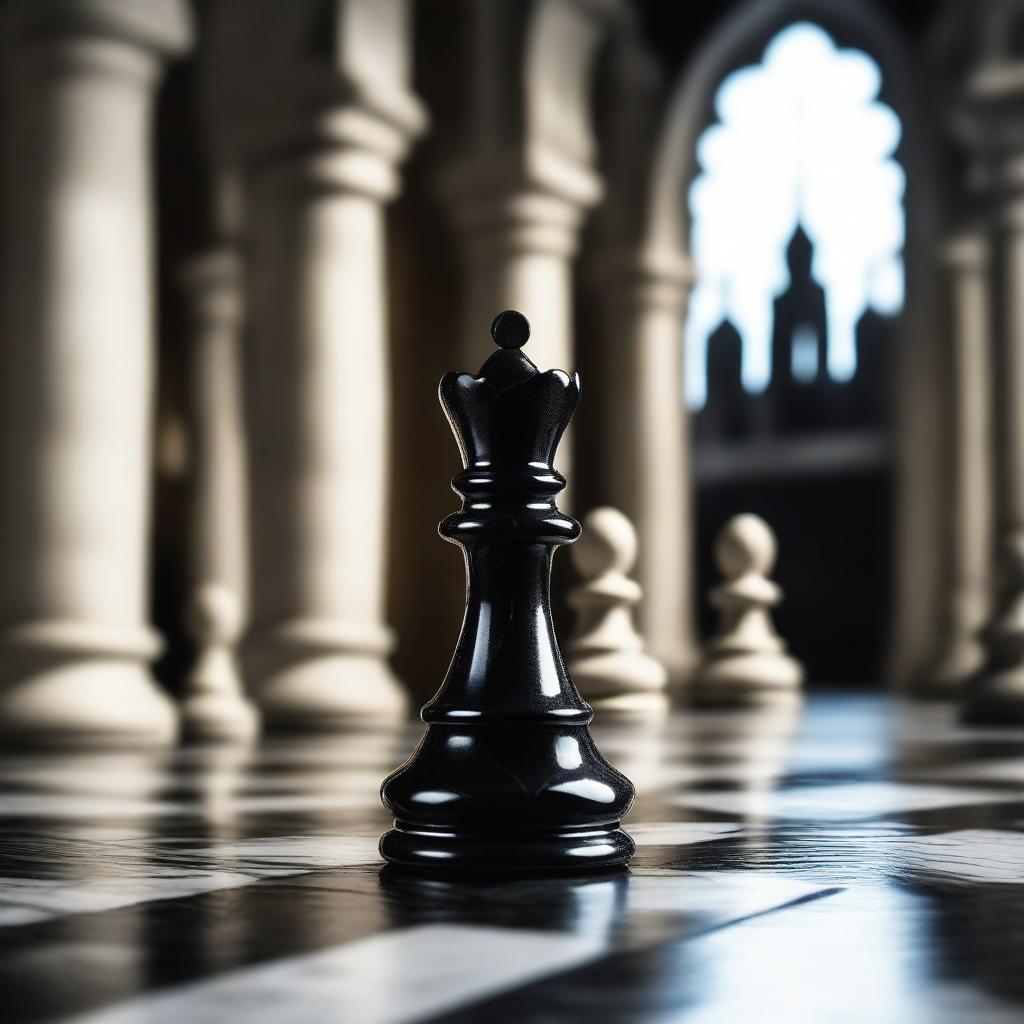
<point>745,661</point>
<point>214,707</point>
<point>606,659</point>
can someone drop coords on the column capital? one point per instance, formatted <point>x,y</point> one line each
<point>965,250</point>
<point>653,278</point>
<point>309,108</point>
<point>163,27</point>
<point>355,155</point>
<point>499,223</point>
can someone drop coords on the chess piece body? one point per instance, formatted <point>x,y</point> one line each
<point>214,707</point>
<point>507,775</point>
<point>746,660</point>
<point>606,656</point>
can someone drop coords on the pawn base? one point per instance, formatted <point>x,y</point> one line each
<point>739,680</point>
<point>626,704</point>
<point>996,700</point>
<point>570,849</point>
<point>625,680</point>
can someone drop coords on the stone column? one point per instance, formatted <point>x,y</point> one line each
<point>517,244</point>
<point>525,177</point>
<point>214,705</point>
<point>961,653</point>
<point>76,370</point>
<point>645,438</point>
<point>319,162</point>
<point>996,694</point>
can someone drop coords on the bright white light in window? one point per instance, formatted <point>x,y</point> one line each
<point>800,138</point>
<point>804,351</point>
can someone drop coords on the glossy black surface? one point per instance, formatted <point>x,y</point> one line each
<point>859,860</point>
<point>507,775</point>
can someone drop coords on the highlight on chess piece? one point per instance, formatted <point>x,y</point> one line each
<point>507,775</point>
<point>606,656</point>
<point>215,707</point>
<point>746,661</point>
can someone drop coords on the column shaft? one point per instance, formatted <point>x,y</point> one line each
<point>961,652</point>
<point>214,706</point>
<point>997,693</point>
<point>645,443</point>
<point>319,430</point>
<point>212,289</point>
<point>76,375</point>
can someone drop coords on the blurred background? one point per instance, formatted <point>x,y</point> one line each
<point>243,239</point>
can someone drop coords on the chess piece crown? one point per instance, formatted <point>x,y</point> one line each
<point>507,775</point>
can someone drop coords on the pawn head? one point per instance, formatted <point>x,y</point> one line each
<point>608,543</point>
<point>745,544</point>
<point>214,614</point>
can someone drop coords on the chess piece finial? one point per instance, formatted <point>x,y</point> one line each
<point>510,329</point>
<point>746,661</point>
<point>214,707</point>
<point>507,775</point>
<point>606,658</point>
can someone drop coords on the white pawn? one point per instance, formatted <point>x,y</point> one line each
<point>606,658</point>
<point>214,707</point>
<point>745,661</point>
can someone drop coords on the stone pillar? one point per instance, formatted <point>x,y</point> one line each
<point>525,177</point>
<point>961,653</point>
<point>517,246</point>
<point>645,439</point>
<point>76,370</point>
<point>320,134</point>
<point>639,279</point>
<point>996,694</point>
<point>214,705</point>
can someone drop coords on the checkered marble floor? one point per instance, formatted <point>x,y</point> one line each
<point>857,860</point>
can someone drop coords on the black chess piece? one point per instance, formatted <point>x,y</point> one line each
<point>507,775</point>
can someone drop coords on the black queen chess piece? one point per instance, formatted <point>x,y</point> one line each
<point>507,775</point>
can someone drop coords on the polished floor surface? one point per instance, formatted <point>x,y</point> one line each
<point>861,860</point>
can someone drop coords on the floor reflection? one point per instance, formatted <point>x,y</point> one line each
<point>846,861</point>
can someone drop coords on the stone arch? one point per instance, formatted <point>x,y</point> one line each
<point>655,222</point>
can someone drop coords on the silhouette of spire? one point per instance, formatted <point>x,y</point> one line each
<point>799,256</point>
<point>799,311</point>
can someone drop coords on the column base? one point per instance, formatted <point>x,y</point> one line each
<point>99,703</point>
<point>996,699</point>
<point>326,692</point>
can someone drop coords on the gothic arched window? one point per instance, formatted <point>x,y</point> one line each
<point>797,179</point>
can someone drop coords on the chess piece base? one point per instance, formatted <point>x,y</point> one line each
<point>996,699</point>
<point>95,703</point>
<point>216,718</point>
<point>326,692</point>
<point>744,679</point>
<point>572,849</point>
